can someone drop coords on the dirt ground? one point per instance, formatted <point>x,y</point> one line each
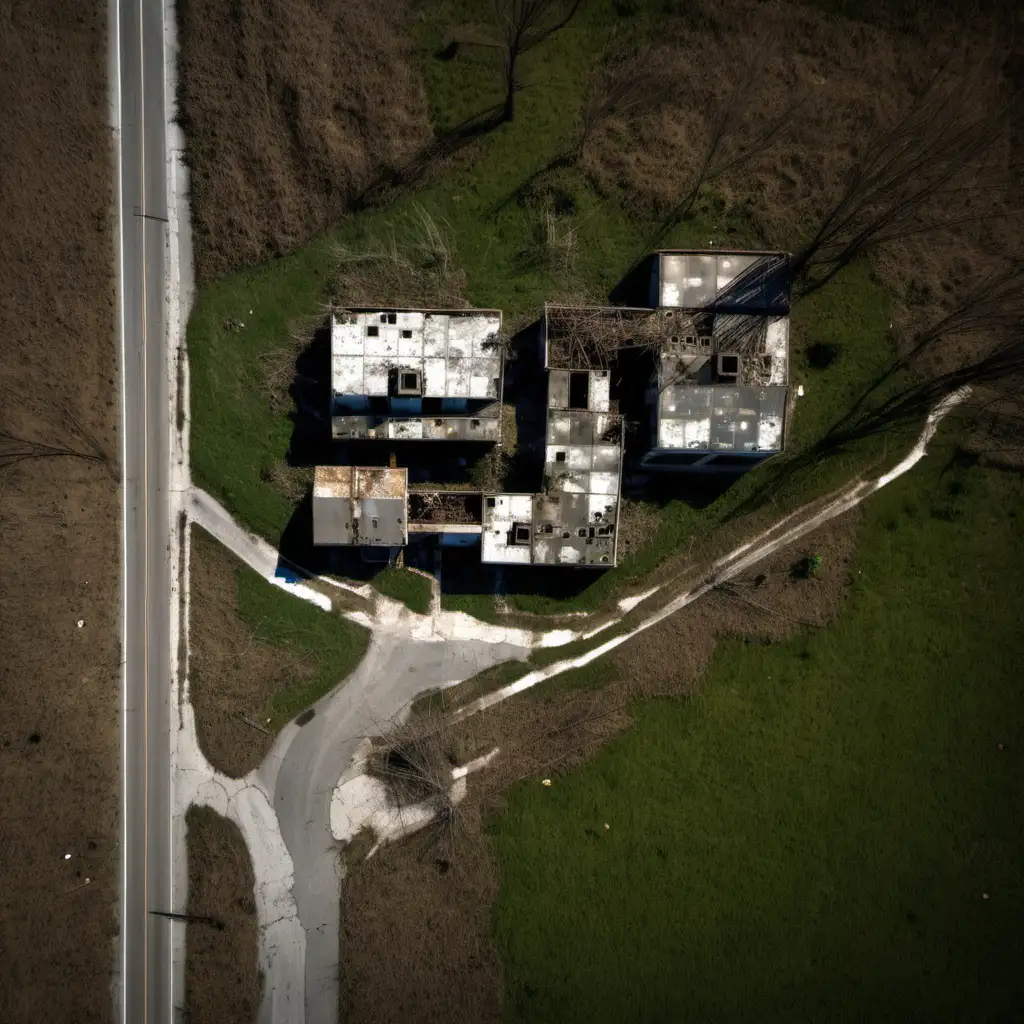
<point>232,674</point>
<point>59,515</point>
<point>292,108</point>
<point>222,980</point>
<point>436,888</point>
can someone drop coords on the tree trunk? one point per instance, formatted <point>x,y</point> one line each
<point>510,90</point>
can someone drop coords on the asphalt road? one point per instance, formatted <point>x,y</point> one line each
<point>146,780</point>
<point>306,762</point>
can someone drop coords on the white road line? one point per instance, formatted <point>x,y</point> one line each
<point>115,38</point>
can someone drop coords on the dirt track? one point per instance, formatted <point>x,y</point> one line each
<point>59,554</point>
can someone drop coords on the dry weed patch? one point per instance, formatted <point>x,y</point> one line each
<point>223,983</point>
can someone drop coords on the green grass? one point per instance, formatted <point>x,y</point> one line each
<point>480,606</point>
<point>238,438</point>
<point>412,589</point>
<point>811,838</point>
<point>332,644</point>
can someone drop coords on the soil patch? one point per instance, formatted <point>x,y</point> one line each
<point>764,605</point>
<point>291,111</point>
<point>59,519</point>
<point>222,980</point>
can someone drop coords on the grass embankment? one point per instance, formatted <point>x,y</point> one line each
<point>259,656</point>
<point>223,983</point>
<point>831,830</point>
<point>523,232</point>
<point>412,589</point>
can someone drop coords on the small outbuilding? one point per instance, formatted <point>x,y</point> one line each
<point>355,505</point>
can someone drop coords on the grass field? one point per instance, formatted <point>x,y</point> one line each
<point>831,831</point>
<point>495,211</point>
<point>334,645</point>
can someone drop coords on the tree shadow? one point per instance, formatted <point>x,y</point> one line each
<point>310,443</point>
<point>394,181</point>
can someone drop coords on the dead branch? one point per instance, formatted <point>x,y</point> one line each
<point>419,271</point>
<point>590,337</point>
<point>14,449</point>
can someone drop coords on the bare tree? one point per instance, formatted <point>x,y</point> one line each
<point>523,25</point>
<point>15,449</point>
<point>910,177</point>
<point>1001,369</point>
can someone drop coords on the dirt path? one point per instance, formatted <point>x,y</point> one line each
<point>736,562</point>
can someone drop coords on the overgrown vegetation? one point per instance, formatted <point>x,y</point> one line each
<point>543,207</point>
<point>259,656</point>
<point>856,781</point>
<point>293,111</point>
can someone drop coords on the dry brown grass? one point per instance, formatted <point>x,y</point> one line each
<point>59,520</point>
<point>292,109</point>
<point>232,673</point>
<point>848,80</point>
<point>766,604</point>
<point>415,266</point>
<point>436,888</point>
<point>222,980</point>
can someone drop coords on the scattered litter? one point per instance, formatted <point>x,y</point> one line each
<point>67,856</point>
<point>800,391</point>
<point>606,826</point>
<point>545,782</point>
<point>81,623</point>
<point>250,312</point>
<point>87,881</point>
<point>268,721</point>
<point>984,895</point>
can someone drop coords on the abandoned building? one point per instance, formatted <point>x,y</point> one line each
<point>354,505</point>
<point>714,340</point>
<point>718,392</point>
<point>572,520</point>
<point>410,374</point>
